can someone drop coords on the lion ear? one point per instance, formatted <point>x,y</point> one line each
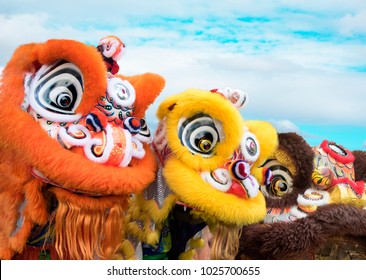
<point>147,86</point>
<point>166,106</point>
<point>24,59</point>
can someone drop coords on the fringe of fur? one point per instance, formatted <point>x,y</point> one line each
<point>225,242</point>
<point>34,212</point>
<point>203,197</point>
<point>88,227</point>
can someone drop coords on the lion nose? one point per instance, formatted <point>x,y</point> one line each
<point>240,169</point>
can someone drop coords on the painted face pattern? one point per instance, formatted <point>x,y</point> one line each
<point>104,135</point>
<point>235,176</point>
<point>333,181</point>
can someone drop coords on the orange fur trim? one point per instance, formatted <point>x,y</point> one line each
<point>9,205</point>
<point>59,164</point>
<point>34,212</point>
<point>85,57</point>
<point>18,242</point>
<point>27,140</point>
<point>88,227</point>
<point>36,206</point>
<point>24,144</point>
<point>147,86</point>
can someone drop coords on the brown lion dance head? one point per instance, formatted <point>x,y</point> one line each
<point>73,146</point>
<point>315,204</point>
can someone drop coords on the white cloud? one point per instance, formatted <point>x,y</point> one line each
<point>352,24</point>
<point>283,126</point>
<point>29,28</point>
<point>302,80</point>
<point>278,88</point>
<point>364,144</point>
<point>334,6</point>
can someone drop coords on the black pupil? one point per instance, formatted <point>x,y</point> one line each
<point>206,145</point>
<point>278,186</point>
<point>251,147</point>
<point>65,101</point>
<point>204,141</point>
<point>282,186</point>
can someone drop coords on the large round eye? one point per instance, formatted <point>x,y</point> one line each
<point>199,134</point>
<point>56,91</point>
<point>280,181</point>
<point>337,152</point>
<point>278,186</point>
<point>250,147</point>
<point>121,92</point>
<point>61,97</point>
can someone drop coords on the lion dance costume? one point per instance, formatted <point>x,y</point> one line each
<point>316,204</point>
<point>205,152</point>
<point>74,146</point>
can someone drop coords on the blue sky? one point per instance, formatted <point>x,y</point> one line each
<point>302,62</point>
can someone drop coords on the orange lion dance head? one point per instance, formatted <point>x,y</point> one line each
<point>73,147</point>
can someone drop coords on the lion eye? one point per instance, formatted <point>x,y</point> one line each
<point>278,186</point>
<point>250,147</point>
<point>205,145</point>
<point>279,181</point>
<point>56,91</point>
<point>199,133</point>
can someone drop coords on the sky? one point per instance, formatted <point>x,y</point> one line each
<point>302,62</point>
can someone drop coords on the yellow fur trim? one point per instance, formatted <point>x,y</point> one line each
<point>190,103</point>
<point>187,255</point>
<point>142,213</point>
<point>189,187</point>
<point>128,250</point>
<point>268,141</point>
<point>197,243</point>
<point>152,209</point>
<point>152,238</point>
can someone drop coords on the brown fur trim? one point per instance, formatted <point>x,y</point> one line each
<point>294,240</point>
<point>302,156</point>
<point>360,165</point>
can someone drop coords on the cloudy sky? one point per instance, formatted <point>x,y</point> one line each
<point>302,62</point>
